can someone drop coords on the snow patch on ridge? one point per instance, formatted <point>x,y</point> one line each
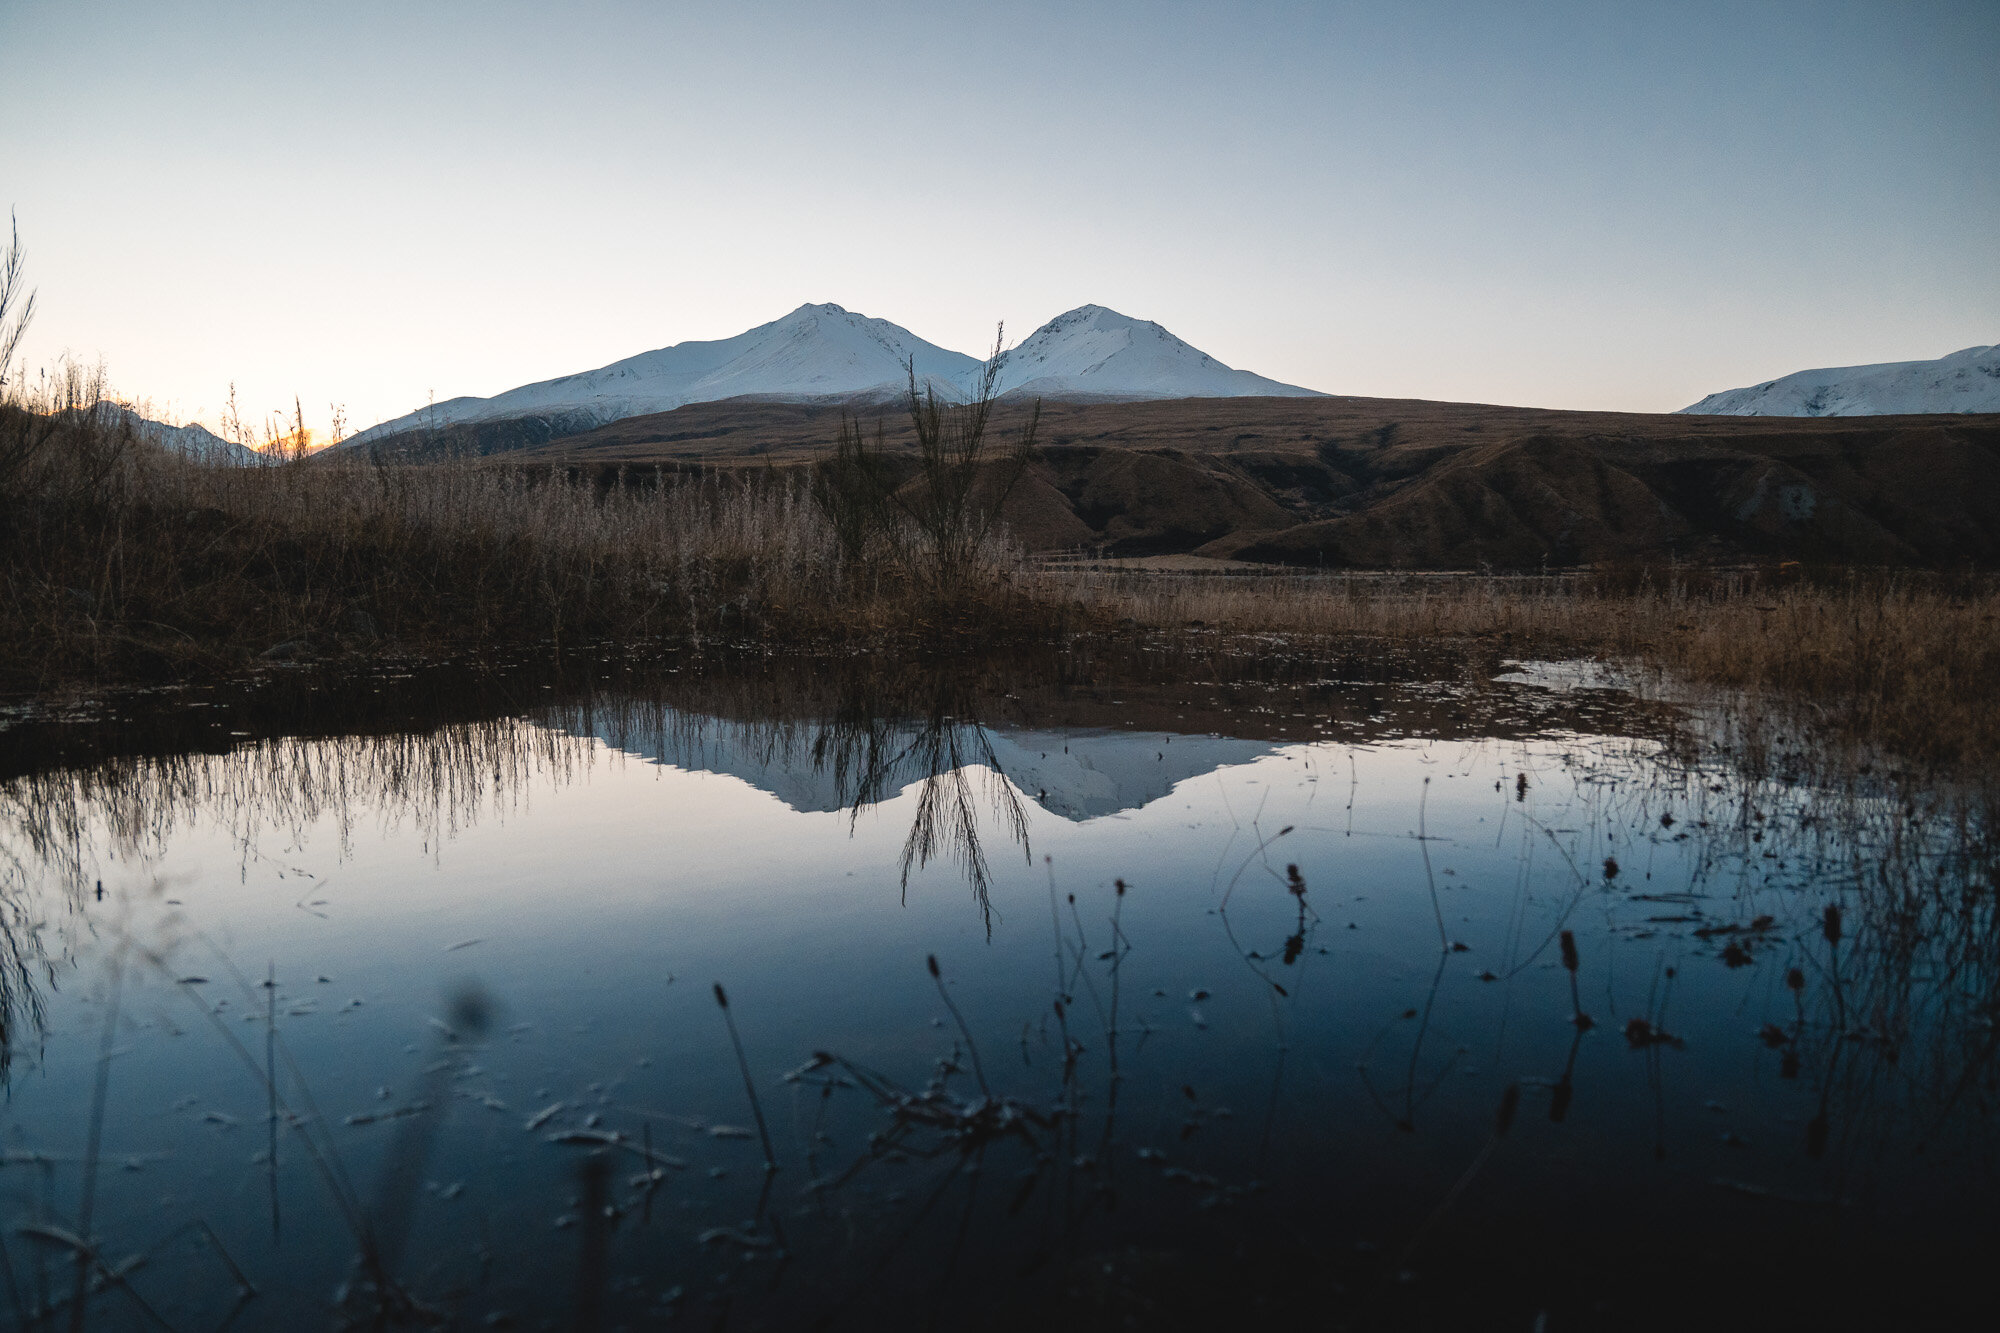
<point>1966,381</point>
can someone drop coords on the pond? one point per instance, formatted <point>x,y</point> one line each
<point>1103,991</point>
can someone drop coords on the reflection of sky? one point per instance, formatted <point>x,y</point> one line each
<point>598,902</point>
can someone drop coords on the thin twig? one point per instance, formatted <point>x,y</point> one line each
<point>749,1085</point>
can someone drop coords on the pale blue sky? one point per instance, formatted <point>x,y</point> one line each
<point>1612,205</point>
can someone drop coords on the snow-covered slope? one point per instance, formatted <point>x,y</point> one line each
<point>1092,351</point>
<point>1967,381</point>
<point>816,351</point>
<point>190,441</point>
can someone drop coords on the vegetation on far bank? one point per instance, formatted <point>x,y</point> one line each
<point>121,563</point>
<point>1905,663</point>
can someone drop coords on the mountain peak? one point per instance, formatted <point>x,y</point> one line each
<point>827,308</point>
<point>1094,351</point>
<point>1093,316</point>
<point>1094,312</point>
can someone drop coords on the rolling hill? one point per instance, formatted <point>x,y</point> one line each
<point>1376,483</point>
<point>1152,448</point>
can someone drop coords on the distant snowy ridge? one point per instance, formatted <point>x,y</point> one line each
<point>823,351</point>
<point>189,441</point>
<point>1095,352</point>
<point>1967,381</point>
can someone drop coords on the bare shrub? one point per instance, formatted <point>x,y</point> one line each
<point>939,518</point>
<point>962,480</point>
<point>17,304</point>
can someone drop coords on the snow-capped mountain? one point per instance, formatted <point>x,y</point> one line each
<point>1967,381</point>
<point>816,351</point>
<point>824,351</point>
<point>1095,352</point>
<point>190,441</point>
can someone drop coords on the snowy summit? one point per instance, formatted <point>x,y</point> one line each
<point>1095,352</point>
<point>1967,381</point>
<point>816,351</point>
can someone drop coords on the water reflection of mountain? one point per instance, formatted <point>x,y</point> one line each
<point>1079,775</point>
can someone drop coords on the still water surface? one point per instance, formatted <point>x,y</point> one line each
<point>1257,1001</point>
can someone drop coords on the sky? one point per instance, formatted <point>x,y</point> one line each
<point>1604,206</point>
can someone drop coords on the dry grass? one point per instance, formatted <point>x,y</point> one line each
<point>118,560</point>
<point>1906,664</point>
